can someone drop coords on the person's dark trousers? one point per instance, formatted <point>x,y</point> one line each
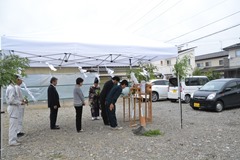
<point>53,117</point>
<point>95,110</point>
<point>104,113</point>
<point>78,117</point>
<point>112,116</point>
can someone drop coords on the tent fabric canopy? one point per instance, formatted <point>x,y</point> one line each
<point>101,53</point>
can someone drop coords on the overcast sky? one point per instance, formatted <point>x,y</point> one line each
<point>171,21</point>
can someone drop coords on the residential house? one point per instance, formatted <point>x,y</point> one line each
<point>216,61</point>
<point>233,69</point>
<point>166,66</point>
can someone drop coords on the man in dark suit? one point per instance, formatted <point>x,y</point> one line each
<point>53,103</point>
<point>111,99</point>
<point>106,89</point>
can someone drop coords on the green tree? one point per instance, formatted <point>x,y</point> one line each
<point>182,67</point>
<point>9,66</point>
<point>148,67</point>
<point>212,75</point>
<point>197,72</point>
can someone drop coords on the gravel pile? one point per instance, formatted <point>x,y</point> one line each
<point>205,136</point>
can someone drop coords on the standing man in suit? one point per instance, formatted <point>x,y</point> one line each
<point>53,102</point>
<point>106,89</point>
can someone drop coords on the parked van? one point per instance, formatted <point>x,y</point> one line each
<point>187,87</point>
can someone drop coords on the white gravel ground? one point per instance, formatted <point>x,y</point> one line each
<point>205,136</point>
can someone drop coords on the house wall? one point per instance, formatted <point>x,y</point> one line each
<point>214,62</point>
<point>164,67</point>
<point>234,61</point>
<point>167,68</point>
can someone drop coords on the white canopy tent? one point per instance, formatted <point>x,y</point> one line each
<point>99,51</point>
<point>93,51</point>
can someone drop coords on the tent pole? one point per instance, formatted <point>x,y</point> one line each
<point>179,96</point>
<point>179,101</point>
<point>130,63</point>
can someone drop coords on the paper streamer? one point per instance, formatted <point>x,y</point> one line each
<point>29,92</point>
<point>83,71</point>
<point>110,72</point>
<point>51,67</point>
<point>133,78</point>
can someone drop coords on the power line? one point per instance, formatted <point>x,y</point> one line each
<point>181,21</point>
<point>217,39</point>
<point>159,15</point>
<point>132,11</point>
<point>210,34</point>
<point>146,13</point>
<point>203,26</point>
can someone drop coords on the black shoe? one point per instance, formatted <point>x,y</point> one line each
<point>20,134</point>
<point>56,127</point>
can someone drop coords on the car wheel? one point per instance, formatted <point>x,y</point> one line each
<point>154,96</point>
<point>187,98</point>
<point>219,106</point>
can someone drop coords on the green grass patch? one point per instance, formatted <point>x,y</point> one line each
<point>152,133</point>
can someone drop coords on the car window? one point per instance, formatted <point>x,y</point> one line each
<point>203,81</point>
<point>173,82</point>
<point>191,81</point>
<point>166,82</point>
<point>160,83</point>
<point>212,86</point>
<point>187,81</point>
<point>195,81</point>
<point>238,84</point>
<point>232,85</point>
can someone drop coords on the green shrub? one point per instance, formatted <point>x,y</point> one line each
<point>151,133</point>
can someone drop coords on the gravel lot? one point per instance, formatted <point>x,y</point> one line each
<point>205,136</point>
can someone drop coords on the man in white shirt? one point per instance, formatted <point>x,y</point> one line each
<point>20,132</point>
<point>13,102</point>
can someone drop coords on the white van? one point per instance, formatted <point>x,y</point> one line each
<point>188,86</point>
